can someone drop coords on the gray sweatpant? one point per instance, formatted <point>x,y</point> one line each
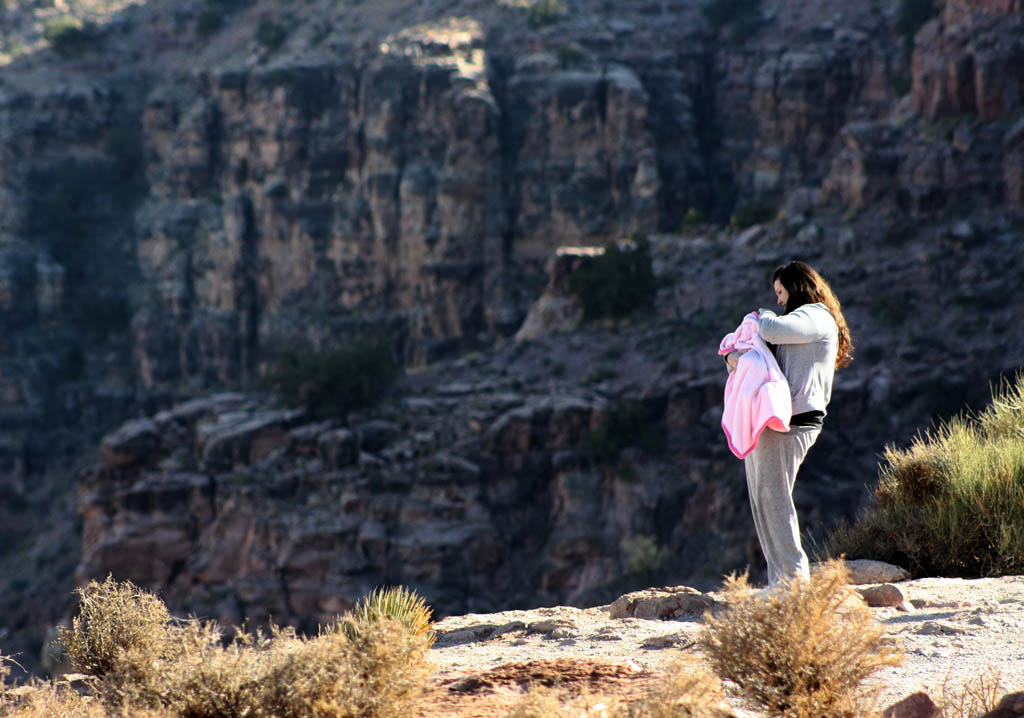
<point>771,472</point>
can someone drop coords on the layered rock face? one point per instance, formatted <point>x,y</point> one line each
<point>284,202</point>
<point>968,61</point>
<point>231,511</point>
<point>417,183</point>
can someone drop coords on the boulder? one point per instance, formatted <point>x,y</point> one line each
<point>135,442</point>
<point>865,571</point>
<point>1009,706</point>
<point>886,595</point>
<point>916,705</point>
<point>338,448</point>
<point>247,441</point>
<point>661,603</point>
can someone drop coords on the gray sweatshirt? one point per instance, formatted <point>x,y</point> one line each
<point>807,341</point>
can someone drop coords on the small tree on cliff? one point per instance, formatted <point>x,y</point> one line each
<point>333,383</point>
<point>616,283</point>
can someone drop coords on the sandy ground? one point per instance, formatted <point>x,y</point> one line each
<point>959,629</point>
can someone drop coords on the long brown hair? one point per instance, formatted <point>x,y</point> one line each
<point>805,286</point>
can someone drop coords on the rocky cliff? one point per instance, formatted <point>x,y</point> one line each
<point>188,188</point>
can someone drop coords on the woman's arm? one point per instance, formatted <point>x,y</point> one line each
<point>798,327</point>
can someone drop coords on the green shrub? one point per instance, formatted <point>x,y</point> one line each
<point>617,282</point>
<point>270,34</point>
<point>747,214</point>
<point>213,17</point>
<point>68,35</point>
<point>570,54</point>
<point>627,424</point>
<point>693,219</point>
<point>644,558</point>
<point>333,383</point>
<point>740,17</point>
<point>952,503</point>
<point>394,604</point>
<point>544,12</point>
<point>803,651</point>
<point>208,21</point>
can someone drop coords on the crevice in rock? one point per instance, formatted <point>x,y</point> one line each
<point>721,190</point>
<point>498,72</point>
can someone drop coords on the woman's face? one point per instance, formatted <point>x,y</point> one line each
<point>781,295</point>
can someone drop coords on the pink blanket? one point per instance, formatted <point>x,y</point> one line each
<point>756,393</point>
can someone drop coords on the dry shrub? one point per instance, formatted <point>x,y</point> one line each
<point>974,697</point>
<point>58,699</point>
<point>356,669</point>
<point>371,664</point>
<point>113,617</point>
<point>189,672</point>
<point>686,691</point>
<point>539,703</point>
<point>802,651</point>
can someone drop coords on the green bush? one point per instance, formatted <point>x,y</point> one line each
<point>208,21</point>
<point>952,503</point>
<point>644,557</point>
<point>271,35</point>
<point>333,383</point>
<point>747,214</point>
<point>740,17</point>
<point>627,424</point>
<point>570,54</point>
<point>394,604</point>
<point>616,283</point>
<point>68,35</point>
<point>213,17</point>
<point>544,12</point>
<point>693,219</point>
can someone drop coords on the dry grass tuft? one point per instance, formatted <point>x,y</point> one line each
<point>686,691</point>
<point>974,697</point>
<point>539,703</point>
<point>397,604</point>
<point>802,651</point>
<point>370,664</point>
<point>113,617</point>
<point>57,699</point>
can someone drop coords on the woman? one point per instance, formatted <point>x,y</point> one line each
<point>811,340</point>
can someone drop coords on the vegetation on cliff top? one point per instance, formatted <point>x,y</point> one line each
<point>140,662</point>
<point>616,282</point>
<point>952,503</point>
<point>333,383</point>
<point>371,663</point>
